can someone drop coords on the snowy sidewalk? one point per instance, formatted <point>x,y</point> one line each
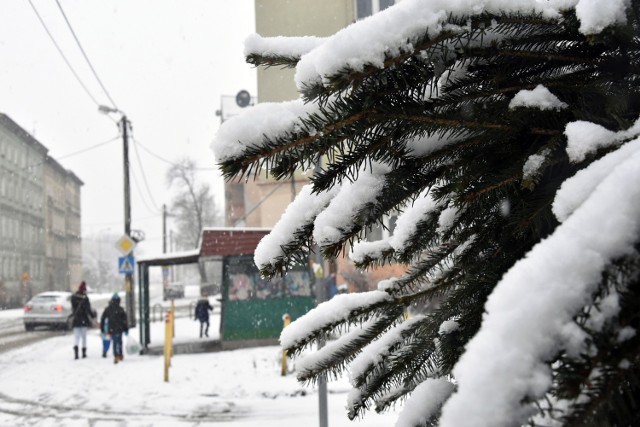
<point>41,385</point>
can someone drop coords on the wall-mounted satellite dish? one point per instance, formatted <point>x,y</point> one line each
<point>243,98</point>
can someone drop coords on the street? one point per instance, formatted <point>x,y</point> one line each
<point>13,334</point>
<point>42,385</point>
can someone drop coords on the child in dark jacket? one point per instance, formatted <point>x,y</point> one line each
<point>114,320</point>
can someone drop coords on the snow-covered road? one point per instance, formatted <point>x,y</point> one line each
<point>42,385</point>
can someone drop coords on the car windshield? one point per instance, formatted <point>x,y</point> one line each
<point>45,298</point>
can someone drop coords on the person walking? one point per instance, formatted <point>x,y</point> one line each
<point>114,321</point>
<point>202,314</point>
<point>83,317</point>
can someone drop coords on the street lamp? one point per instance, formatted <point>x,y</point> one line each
<point>129,288</point>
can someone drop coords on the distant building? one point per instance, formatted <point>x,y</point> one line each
<point>40,216</point>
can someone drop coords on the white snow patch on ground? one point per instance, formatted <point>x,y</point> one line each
<point>41,385</point>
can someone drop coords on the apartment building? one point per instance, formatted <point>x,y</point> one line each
<point>39,218</point>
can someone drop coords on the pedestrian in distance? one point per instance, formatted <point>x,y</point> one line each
<point>83,317</point>
<point>202,314</point>
<point>114,321</point>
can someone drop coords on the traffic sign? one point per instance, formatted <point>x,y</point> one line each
<point>125,244</point>
<point>126,264</point>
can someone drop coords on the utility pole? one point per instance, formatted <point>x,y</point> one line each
<point>128,278</point>
<point>164,229</point>
<point>130,302</point>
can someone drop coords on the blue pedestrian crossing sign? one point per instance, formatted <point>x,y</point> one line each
<point>126,264</point>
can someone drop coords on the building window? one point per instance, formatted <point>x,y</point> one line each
<point>366,8</point>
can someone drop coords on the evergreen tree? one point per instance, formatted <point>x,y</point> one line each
<point>502,133</point>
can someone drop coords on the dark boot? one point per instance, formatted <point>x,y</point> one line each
<point>84,353</point>
<point>104,354</point>
<point>75,350</point>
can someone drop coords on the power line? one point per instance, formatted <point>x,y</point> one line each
<point>165,160</point>
<point>99,224</point>
<point>75,153</point>
<point>62,54</point>
<point>144,177</point>
<point>85,55</point>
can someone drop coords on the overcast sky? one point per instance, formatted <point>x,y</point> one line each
<point>165,63</point>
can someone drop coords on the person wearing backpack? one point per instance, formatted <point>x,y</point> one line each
<point>114,321</point>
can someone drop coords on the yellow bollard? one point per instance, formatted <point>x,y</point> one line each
<point>167,345</point>
<point>286,320</point>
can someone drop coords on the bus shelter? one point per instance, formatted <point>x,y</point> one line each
<point>252,307</point>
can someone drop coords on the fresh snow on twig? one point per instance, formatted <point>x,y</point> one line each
<point>374,352</point>
<point>540,97</point>
<point>363,249</point>
<point>267,121</point>
<point>425,401</point>
<point>298,214</point>
<point>574,191</point>
<point>527,315</point>
<point>338,219</point>
<point>406,227</point>
<point>335,310</point>
<point>407,222</point>
<point>280,46</point>
<point>531,167</point>
<point>584,138</point>
<point>395,30</point>
<point>314,360</point>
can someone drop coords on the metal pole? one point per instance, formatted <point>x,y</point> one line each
<point>128,280</point>
<point>164,229</point>
<point>321,296</point>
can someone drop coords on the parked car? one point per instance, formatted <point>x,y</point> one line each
<point>51,309</point>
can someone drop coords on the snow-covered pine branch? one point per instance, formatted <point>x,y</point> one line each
<point>278,51</point>
<point>338,311</point>
<point>485,104</point>
<point>278,249</point>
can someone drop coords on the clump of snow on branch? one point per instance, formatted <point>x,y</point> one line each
<point>395,30</point>
<point>540,97</point>
<point>584,138</point>
<point>594,17</point>
<point>314,360</point>
<point>328,313</point>
<point>527,315</point>
<point>363,249</point>
<point>280,46</point>
<point>447,218</point>
<point>298,214</point>
<point>406,228</point>
<point>375,351</point>
<point>407,222</point>
<point>531,167</point>
<point>574,191</point>
<point>268,120</point>
<point>424,145</point>
<point>424,403</point>
<point>448,326</point>
<point>338,218</point>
